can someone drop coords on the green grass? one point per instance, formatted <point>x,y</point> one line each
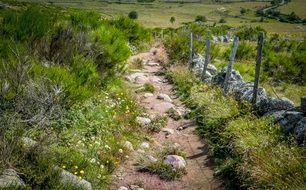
<point>296,6</point>
<point>248,150</point>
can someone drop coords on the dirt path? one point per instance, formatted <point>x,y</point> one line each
<point>199,172</point>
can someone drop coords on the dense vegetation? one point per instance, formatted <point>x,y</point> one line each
<point>249,151</point>
<point>59,86</point>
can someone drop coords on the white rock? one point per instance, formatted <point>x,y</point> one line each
<point>128,145</point>
<point>147,95</point>
<point>162,107</point>
<point>151,158</point>
<point>123,188</point>
<point>141,151</point>
<point>168,131</point>
<point>145,145</point>
<point>10,178</point>
<point>143,121</point>
<point>164,97</point>
<point>69,178</point>
<point>175,161</point>
<point>152,64</point>
<point>141,80</point>
<point>28,142</point>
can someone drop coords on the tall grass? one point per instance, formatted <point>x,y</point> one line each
<point>248,150</point>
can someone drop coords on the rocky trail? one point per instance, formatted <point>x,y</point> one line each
<point>180,133</point>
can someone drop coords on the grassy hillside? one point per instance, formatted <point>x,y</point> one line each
<point>158,14</point>
<point>63,103</point>
<point>297,6</point>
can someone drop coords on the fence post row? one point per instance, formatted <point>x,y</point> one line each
<point>258,64</point>
<point>190,50</point>
<point>207,58</point>
<point>230,65</point>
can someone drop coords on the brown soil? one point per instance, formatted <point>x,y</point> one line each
<point>200,175</point>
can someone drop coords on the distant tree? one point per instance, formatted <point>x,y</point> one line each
<point>133,15</point>
<point>200,18</point>
<point>243,11</point>
<point>172,20</point>
<point>222,20</point>
<point>294,17</point>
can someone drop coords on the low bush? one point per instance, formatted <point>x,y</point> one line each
<point>245,51</point>
<point>133,15</point>
<point>200,18</point>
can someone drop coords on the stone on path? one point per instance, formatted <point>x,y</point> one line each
<point>135,187</point>
<point>168,131</point>
<point>175,161</point>
<point>151,158</point>
<point>123,188</point>
<point>141,80</point>
<point>147,95</point>
<point>152,64</point>
<point>128,145</point>
<point>145,145</point>
<point>10,178</point>
<point>143,121</point>
<point>164,97</point>
<point>175,114</point>
<point>162,107</point>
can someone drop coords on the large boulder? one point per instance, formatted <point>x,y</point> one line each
<point>233,80</point>
<point>68,178</point>
<point>198,66</point>
<point>288,120</point>
<point>300,131</point>
<point>10,179</point>
<point>244,91</point>
<point>177,162</point>
<point>272,104</point>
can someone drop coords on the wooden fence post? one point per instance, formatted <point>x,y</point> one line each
<point>303,104</point>
<point>190,50</point>
<point>207,57</point>
<point>258,64</point>
<point>230,65</point>
<point>162,34</point>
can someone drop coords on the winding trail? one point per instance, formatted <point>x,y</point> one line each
<point>199,168</point>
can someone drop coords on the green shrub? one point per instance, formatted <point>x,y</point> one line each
<point>132,31</point>
<point>113,50</point>
<point>200,18</point>
<point>33,23</point>
<point>222,20</point>
<point>249,33</point>
<point>133,15</point>
<point>245,51</point>
<point>85,21</point>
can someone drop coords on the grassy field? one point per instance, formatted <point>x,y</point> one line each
<point>158,14</point>
<point>298,6</point>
